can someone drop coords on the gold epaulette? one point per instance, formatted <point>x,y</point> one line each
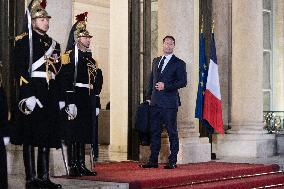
<point>65,58</point>
<point>18,37</point>
<point>23,81</point>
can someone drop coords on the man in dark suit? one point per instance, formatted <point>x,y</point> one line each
<point>168,75</point>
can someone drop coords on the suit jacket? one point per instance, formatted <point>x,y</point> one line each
<point>173,76</point>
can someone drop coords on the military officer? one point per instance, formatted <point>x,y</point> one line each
<point>37,62</point>
<point>3,127</point>
<point>77,81</point>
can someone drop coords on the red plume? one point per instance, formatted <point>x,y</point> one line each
<point>43,4</point>
<point>81,17</point>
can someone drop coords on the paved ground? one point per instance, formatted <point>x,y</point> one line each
<point>17,182</point>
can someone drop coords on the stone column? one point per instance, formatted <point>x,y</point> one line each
<point>118,57</point>
<point>247,137</point>
<point>278,57</point>
<point>181,20</point>
<point>223,41</point>
<point>61,20</point>
<point>221,14</point>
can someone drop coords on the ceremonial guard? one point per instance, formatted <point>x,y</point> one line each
<point>3,134</point>
<point>37,62</point>
<point>77,81</point>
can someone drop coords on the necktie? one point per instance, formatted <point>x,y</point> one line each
<point>161,65</point>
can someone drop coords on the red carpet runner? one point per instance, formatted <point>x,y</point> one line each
<point>189,175</point>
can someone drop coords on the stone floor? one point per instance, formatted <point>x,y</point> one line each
<point>279,160</point>
<point>17,181</point>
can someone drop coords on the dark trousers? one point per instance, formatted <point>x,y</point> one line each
<point>3,166</point>
<point>168,117</point>
<point>95,144</point>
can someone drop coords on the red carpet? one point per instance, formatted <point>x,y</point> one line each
<point>188,175</point>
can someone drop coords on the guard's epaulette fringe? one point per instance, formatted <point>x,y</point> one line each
<point>65,58</point>
<point>18,37</point>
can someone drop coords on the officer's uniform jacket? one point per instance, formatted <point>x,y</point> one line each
<point>41,127</point>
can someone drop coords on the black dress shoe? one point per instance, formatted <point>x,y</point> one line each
<point>170,166</point>
<point>86,172</point>
<point>50,185</point>
<point>149,165</point>
<point>34,184</point>
<point>74,171</point>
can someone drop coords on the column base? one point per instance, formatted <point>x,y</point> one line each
<point>117,153</point>
<point>244,145</point>
<point>280,143</point>
<point>193,150</point>
<point>15,163</point>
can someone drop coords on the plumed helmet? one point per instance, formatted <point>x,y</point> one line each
<point>37,9</point>
<point>79,29</point>
<point>81,26</point>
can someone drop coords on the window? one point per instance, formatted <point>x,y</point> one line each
<point>267,55</point>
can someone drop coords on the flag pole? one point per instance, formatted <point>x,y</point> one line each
<point>213,26</point>
<point>201,30</point>
<point>213,155</point>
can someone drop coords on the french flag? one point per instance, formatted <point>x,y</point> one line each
<point>212,110</point>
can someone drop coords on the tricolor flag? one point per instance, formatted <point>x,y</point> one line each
<point>203,71</point>
<point>212,110</point>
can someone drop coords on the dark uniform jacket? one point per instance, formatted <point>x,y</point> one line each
<point>74,91</point>
<point>98,87</point>
<point>4,129</point>
<point>3,132</point>
<point>41,127</point>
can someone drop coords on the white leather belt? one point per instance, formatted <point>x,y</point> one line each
<point>42,74</point>
<point>48,53</point>
<point>84,85</point>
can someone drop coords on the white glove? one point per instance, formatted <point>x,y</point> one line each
<point>71,111</point>
<point>149,101</point>
<point>61,105</point>
<point>6,140</point>
<point>97,111</point>
<point>31,103</point>
<point>27,105</point>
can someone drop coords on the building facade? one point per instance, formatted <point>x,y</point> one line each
<point>249,37</point>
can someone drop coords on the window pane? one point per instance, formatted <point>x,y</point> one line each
<point>267,4</point>
<point>266,31</point>
<point>266,101</point>
<point>266,70</point>
<point>154,29</point>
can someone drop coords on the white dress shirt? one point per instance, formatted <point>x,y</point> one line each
<point>168,57</point>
